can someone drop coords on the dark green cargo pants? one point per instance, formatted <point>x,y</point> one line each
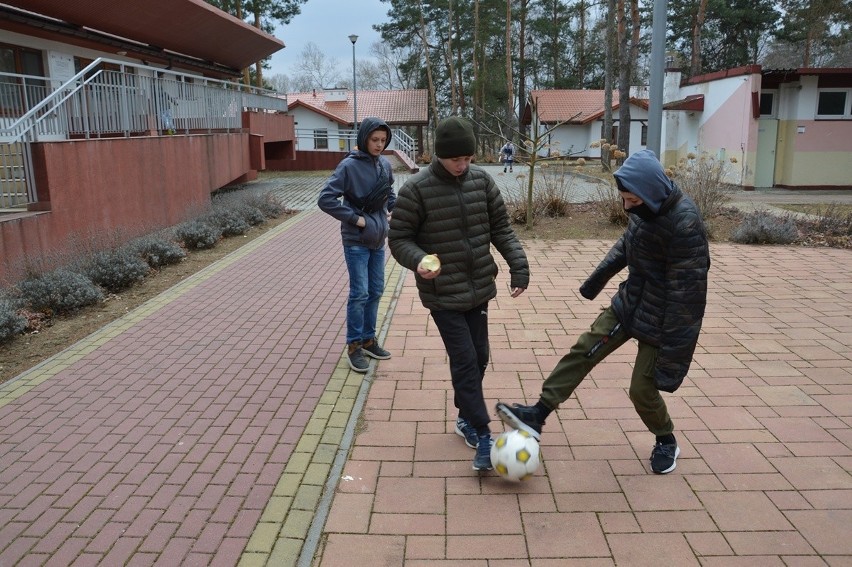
<point>591,348</point>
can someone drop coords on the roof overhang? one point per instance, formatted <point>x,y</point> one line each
<point>839,77</point>
<point>302,104</point>
<point>692,103</point>
<point>634,101</point>
<point>191,28</point>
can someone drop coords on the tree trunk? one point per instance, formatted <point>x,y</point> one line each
<point>634,39</point>
<point>581,44</point>
<point>522,64</point>
<point>623,80</point>
<point>510,91</point>
<point>239,15</point>
<point>430,83</point>
<point>608,66</point>
<point>258,66</point>
<point>459,68</point>
<point>451,72</point>
<point>477,101</point>
<point>698,24</point>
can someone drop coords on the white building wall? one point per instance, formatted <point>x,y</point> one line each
<point>568,140</point>
<point>725,129</point>
<point>577,140</point>
<point>307,123</point>
<point>60,51</point>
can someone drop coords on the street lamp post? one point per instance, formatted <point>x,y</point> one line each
<point>353,38</point>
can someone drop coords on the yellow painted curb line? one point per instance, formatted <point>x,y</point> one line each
<point>289,529</point>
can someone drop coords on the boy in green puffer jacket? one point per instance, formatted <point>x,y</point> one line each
<point>454,210</point>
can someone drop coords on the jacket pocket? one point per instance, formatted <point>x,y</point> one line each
<point>374,232</point>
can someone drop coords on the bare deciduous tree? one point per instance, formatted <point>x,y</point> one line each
<point>315,70</point>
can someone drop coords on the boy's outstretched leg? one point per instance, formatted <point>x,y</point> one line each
<point>524,418</point>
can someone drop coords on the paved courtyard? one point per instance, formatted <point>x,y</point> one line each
<point>219,425</point>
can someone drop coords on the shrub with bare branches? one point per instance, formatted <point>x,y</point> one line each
<point>553,193</point>
<point>703,179</point>
<point>610,205</point>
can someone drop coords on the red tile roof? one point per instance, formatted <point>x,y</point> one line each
<point>573,106</point>
<point>399,107</point>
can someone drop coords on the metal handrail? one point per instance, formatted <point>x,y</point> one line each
<point>112,98</point>
<point>344,140</point>
<point>121,87</point>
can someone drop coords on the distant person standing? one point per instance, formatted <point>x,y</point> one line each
<point>507,155</point>
<point>360,195</point>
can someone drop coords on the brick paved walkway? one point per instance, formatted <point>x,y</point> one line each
<point>163,438</point>
<point>763,423</point>
<point>218,425</point>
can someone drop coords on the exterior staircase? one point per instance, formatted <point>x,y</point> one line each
<point>13,185</point>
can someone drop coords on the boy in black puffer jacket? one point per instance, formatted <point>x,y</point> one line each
<point>660,304</point>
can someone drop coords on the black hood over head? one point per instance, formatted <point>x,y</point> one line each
<point>642,174</point>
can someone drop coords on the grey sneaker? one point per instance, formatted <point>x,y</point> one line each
<point>372,349</point>
<point>525,418</point>
<point>482,460</point>
<point>467,432</point>
<point>357,362</point>
<point>664,457</point>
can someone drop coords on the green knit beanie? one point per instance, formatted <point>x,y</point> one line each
<point>454,137</point>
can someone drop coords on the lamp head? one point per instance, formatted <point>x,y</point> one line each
<point>353,38</point>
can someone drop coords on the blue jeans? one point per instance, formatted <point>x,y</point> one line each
<point>366,285</point>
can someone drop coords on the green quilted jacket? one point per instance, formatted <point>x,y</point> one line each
<point>459,219</point>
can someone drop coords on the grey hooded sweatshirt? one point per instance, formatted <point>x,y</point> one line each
<point>353,180</point>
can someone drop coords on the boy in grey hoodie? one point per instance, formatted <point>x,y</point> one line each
<point>360,195</point>
<point>660,304</point>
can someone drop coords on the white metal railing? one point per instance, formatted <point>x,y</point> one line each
<point>406,144</point>
<point>112,98</point>
<point>346,140</point>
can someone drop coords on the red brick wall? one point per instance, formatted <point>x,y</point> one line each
<point>112,187</point>
<point>306,161</point>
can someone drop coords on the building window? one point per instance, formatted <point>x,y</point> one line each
<point>19,94</point>
<point>767,104</point>
<point>321,139</point>
<point>834,103</point>
<point>644,140</point>
<point>613,134</point>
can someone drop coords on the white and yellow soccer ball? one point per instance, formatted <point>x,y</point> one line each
<point>515,455</point>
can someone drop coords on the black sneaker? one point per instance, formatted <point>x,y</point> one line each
<point>467,432</point>
<point>357,362</point>
<point>664,457</point>
<point>372,349</point>
<point>482,460</point>
<point>525,418</point>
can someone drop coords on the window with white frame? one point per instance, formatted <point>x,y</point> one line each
<point>834,103</point>
<point>321,139</point>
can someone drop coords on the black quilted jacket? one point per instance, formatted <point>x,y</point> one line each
<point>457,218</point>
<point>663,298</point>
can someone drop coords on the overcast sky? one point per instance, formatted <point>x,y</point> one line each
<point>328,24</point>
